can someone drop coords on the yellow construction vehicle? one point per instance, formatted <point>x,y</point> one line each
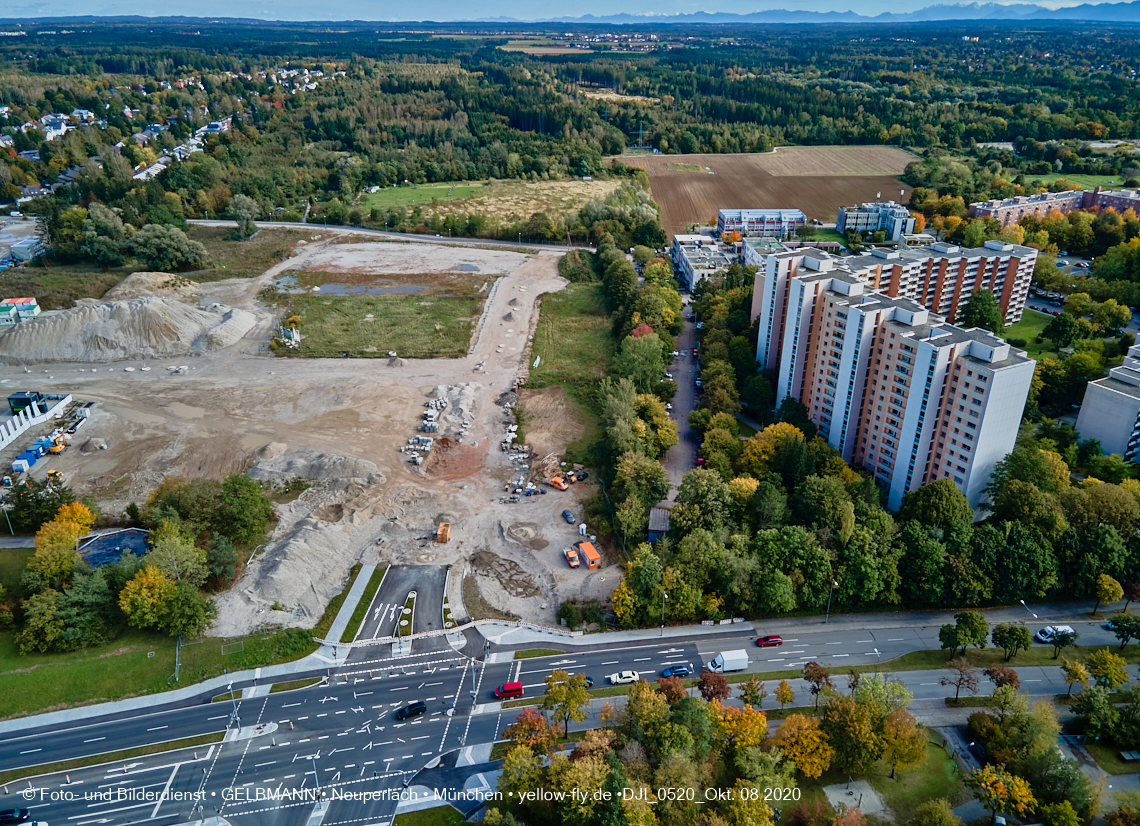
<point>58,445</point>
<point>55,477</point>
<point>443,532</point>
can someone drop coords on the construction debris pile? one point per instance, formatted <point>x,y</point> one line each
<point>449,415</point>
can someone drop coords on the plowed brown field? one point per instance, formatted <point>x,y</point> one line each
<point>817,179</point>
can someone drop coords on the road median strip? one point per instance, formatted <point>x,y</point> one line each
<point>363,604</point>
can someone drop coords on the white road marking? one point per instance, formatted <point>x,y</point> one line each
<point>95,740</point>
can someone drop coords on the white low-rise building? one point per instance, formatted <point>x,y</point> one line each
<point>1110,412</point>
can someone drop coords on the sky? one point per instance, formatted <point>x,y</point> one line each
<point>448,10</point>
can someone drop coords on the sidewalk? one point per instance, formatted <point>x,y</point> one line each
<point>324,658</point>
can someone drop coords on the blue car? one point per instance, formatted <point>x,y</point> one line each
<point>676,671</point>
<point>569,517</point>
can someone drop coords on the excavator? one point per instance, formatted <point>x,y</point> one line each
<point>58,445</point>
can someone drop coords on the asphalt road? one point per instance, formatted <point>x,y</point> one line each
<point>388,603</point>
<point>680,458</point>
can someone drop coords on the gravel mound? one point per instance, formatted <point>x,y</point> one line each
<point>308,463</point>
<point>150,327</point>
<point>149,283</point>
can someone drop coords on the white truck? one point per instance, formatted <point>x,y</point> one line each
<point>727,661</point>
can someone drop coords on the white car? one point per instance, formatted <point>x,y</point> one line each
<point>623,677</point>
<point>668,375</point>
<point>1047,633</point>
<point>675,354</point>
<point>668,407</point>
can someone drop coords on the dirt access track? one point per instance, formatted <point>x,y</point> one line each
<point>339,422</point>
<point>816,179</point>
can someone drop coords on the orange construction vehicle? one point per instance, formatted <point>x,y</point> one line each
<point>443,532</point>
<point>559,483</point>
<point>572,557</point>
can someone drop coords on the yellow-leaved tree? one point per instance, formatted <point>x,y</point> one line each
<point>760,450</point>
<point>55,554</point>
<point>805,744</point>
<point>145,596</point>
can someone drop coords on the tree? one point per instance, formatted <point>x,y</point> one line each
<point>804,743</point>
<point>964,676</point>
<point>1131,593</point>
<point>42,623</point>
<point>1065,639</point>
<point>937,812</point>
<point>938,504</point>
<point>166,249</point>
<point>567,697</point>
<point>1061,330</point>
<point>103,236</point>
<point>1075,672</point>
<point>759,453</point>
<point>144,598</point>
<point>640,360</point>
<point>1011,638</point>
<point>180,560</point>
<point>904,743</point>
<point>851,730</point>
<point>784,694</point>
<point>998,790</point>
<point>56,553</point>
<point>672,689</point>
<point>77,514</point>
<point>1107,590</point>
<point>33,503</point>
<point>244,210</point>
<point>952,637</point>
<point>712,686</point>
<point>981,310</point>
<point>752,691</point>
<point>970,628</point>
<point>222,560</point>
<point>1107,669</point>
<point>1126,627</point>
<point>244,511</point>
<point>818,678</point>
<point>186,612</point>
<point>1060,814</point>
<point>1000,676</point>
<point>533,730</point>
<point>746,806</point>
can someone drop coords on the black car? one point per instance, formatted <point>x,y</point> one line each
<point>569,517</point>
<point>412,710</point>
<point>11,816</point>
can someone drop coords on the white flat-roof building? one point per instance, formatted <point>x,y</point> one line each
<point>748,222</point>
<point>696,257</point>
<point>892,217</point>
<point>1111,409</point>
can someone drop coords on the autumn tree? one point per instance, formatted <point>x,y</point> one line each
<point>56,554</point>
<point>1075,672</point>
<point>533,730</point>
<point>1107,590</point>
<point>904,743</point>
<point>818,678</point>
<point>999,675</point>
<point>963,675</point>
<point>784,694</point>
<point>1107,669</point>
<point>1000,791</point>
<point>804,743</point>
<point>752,691</point>
<point>713,686</point>
<point>850,727</point>
<point>567,697</point>
<point>672,689</point>
<point>77,514</point>
<point>143,599</point>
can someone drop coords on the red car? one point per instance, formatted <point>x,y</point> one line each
<point>770,641</point>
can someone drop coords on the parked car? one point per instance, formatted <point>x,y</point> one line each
<point>1110,625</point>
<point>568,516</point>
<point>1049,632</point>
<point>676,671</point>
<point>770,641</point>
<point>669,376</point>
<point>9,816</point>
<point>699,385</point>
<point>623,678</point>
<point>668,407</point>
<point>675,354</point>
<point>700,324</point>
<point>412,710</point>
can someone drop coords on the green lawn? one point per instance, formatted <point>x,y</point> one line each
<point>828,235</point>
<point>363,605</point>
<point>1084,181</point>
<point>1107,756</point>
<point>242,259</point>
<point>293,685</point>
<point>12,564</point>
<point>395,196</point>
<point>685,167</point>
<point>1032,324</point>
<point>439,816</point>
<point>414,326</point>
<point>536,652</point>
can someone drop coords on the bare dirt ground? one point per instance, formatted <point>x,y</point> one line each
<point>234,407</point>
<point>551,422</point>
<point>817,179</point>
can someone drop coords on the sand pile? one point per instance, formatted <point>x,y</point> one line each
<point>318,465</point>
<point>510,316</point>
<point>514,302</point>
<point>149,283</point>
<point>149,327</point>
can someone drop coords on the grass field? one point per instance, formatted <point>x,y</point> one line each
<point>364,604</point>
<point>828,235</point>
<point>420,194</point>
<point>372,325</point>
<point>1107,756</point>
<point>684,167</point>
<point>1085,181</point>
<point>242,259</point>
<point>122,667</point>
<point>12,564</point>
<point>59,287</point>
<point>1032,324</point>
<point>510,201</point>
<point>439,816</point>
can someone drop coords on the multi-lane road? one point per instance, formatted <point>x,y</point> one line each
<point>342,734</point>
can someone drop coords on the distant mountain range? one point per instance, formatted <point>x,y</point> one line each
<point>1085,13</point>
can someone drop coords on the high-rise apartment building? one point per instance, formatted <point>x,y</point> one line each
<point>1111,409</point>
<point>890,385</point>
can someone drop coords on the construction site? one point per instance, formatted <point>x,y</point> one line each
<point>178,380</point>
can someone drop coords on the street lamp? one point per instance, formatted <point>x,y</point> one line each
<point>1028,613</point>
<point>664,596</point>
<point>830,594</point>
